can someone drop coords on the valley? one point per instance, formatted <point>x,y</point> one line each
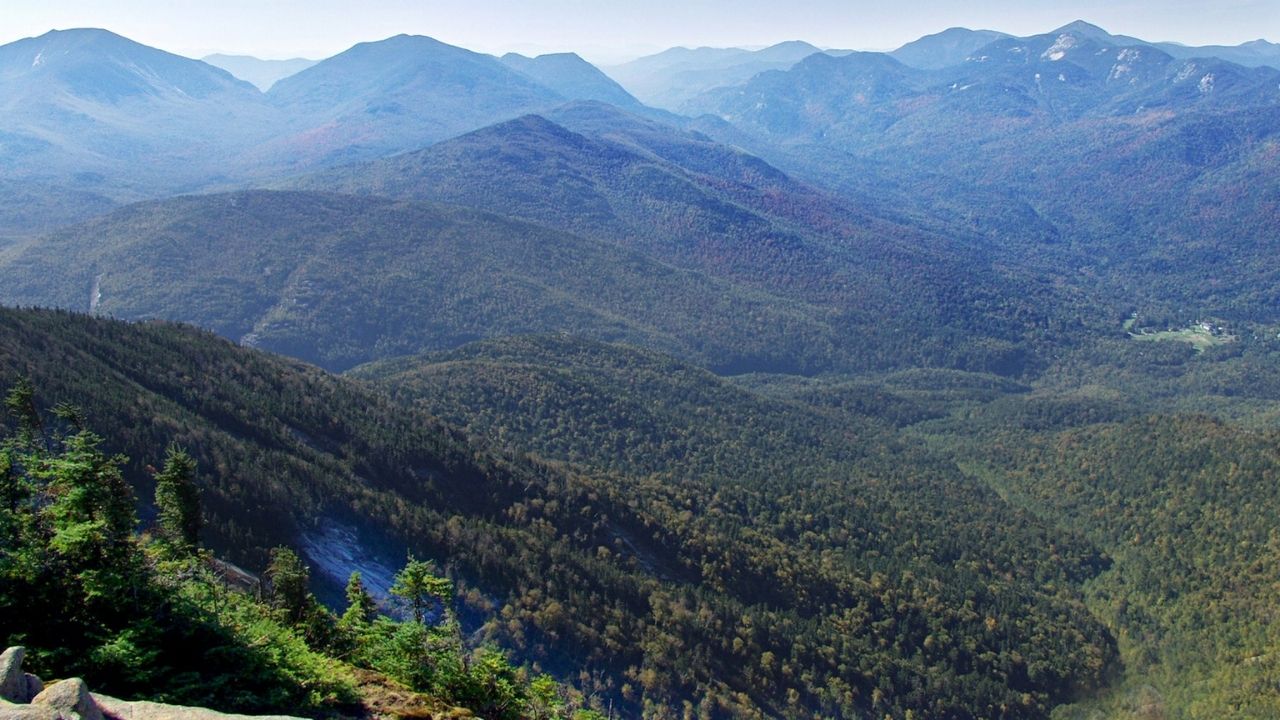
<point>789,382</point>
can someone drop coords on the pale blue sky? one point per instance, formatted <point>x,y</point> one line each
<point>607,29</point>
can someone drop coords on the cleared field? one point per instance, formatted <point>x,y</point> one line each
<point>1199,336</point>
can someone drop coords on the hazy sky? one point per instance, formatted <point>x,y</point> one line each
<point>607,29</point>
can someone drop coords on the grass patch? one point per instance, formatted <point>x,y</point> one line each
<point>1201,336</point>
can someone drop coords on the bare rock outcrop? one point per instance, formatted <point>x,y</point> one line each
<point>70,699</point>
<point>10,711</point>
<point>17,686</point>
<point>141,710</point>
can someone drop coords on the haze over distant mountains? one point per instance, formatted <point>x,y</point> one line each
<point>828,396</point>
<point>572,77</point>
<point>262,73</point>
<point>671,77</point>
<point>949,47</point>
<point>88,111</point>
<point>82,108</point>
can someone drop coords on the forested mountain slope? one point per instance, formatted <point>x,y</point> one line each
<point>1178,502</point>
<point>895,386</point>
<point>340,280</point>
<point>1184,506</point>
<point>613,572</point>
<point>677,433</point>
<point>915,296</point>
<point>280,454</point>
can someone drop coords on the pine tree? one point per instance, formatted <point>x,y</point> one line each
<point>421,588</point>
<point>178,502</point>
<point>90,515</point>
<point>288,580</point>
<point>361,607</point>
<point>21,404</point>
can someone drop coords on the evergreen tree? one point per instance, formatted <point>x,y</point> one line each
<point>91,514</point>
<point>420,588</point>
<point>361,607</point>
<point>21,404</point>
<point>72,415</point>
<point>178,502</point>
<point>287,582</point>
<point>11,490</point>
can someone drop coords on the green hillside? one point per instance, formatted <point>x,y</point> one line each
<point>812,509</point>
<point>1178,505</point>
<point>339,280</point>
<point>1185,506</point>
<point>917,573</point>
<point>901,294</point>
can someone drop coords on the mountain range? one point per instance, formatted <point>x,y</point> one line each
<point>75,103</point>
<point>833,254</point>
<point>644,233</point>
<point>938,383</point>
<point>1120,147</point>
<point>86,111</point>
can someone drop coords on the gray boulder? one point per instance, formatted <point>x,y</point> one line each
<point>15,685</point>
<point>142,710</point>
<point>9,711</point>
<point>71,699</point>
<point>13,682</point>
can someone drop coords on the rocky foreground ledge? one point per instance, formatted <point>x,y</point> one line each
<point>24,697</point>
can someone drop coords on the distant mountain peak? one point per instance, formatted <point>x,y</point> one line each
<point>533,122</point>
<point>99,65</point>
<point>570,76</point>
<point>526,129</point>
<point>229,56</point>
<point>943,49</point>
<point>1083,29</point>
<point>794,45</point>
<point>550,56</point>
<point>405,39</point>
<point>88,40</point>
<point>86,33</point>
